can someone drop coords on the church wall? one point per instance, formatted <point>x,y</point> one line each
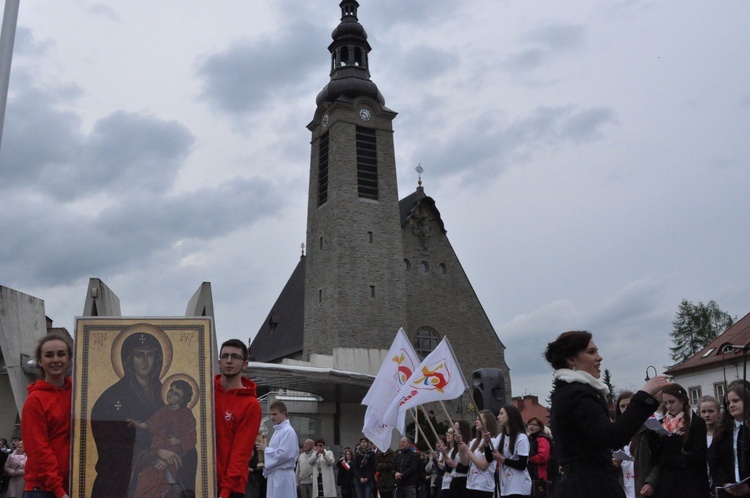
<point>444,300</point>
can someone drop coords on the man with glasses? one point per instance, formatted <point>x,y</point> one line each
<point>237,418</point>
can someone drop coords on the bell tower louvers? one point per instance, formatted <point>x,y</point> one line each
<point>354,285</point>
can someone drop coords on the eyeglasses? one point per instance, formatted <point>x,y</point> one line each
<point>233,356</point>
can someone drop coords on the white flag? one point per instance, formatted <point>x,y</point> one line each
<point>395,371</point>
<point>438,377</point>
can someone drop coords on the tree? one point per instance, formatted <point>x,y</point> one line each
<point>608,382</point>
<point>695,326</point>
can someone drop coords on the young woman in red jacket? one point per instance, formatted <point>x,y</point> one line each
<point>45,421</point>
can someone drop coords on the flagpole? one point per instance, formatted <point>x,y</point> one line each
<point>427,416</point>
<point>447,415</point>
<point>416,424</point>
<point>7,40</point>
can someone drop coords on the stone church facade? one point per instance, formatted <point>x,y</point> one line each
<point>373,263</point>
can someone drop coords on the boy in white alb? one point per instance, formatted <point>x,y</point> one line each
<point>280,454</point>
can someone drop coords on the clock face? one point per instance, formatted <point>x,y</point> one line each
<point>364,114</point>
<point>325,120</point>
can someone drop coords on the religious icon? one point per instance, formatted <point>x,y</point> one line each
<point>143,408</point>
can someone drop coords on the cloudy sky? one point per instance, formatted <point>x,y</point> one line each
<point>590,159</point>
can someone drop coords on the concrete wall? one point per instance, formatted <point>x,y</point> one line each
<point>22,324</point>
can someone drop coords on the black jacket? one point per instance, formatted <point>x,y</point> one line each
<point>407,463</point>
<point>585,437</point>
<point>364,464</point>
<point>721,457</point>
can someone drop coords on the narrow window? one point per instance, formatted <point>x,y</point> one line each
<point>321,243</point>
<point>320,295</point>
<point>372,291</point>
<point>369,237</point>
<point>367,163</point>
<point>323,170</point>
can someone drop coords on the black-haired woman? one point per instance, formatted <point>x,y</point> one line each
<point>729,455</point>
<point>682,460</point>
<point>512,453</point>
<point>45,422</point>
<point>481,480</point>
<point>579,418</point>
<point>460,472</point>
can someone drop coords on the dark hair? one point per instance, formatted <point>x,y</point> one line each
<point>464,429</point>
<point>49,338</point>
<point>623,395</point>
<point>236,343</point>
<point>726,425</point>
<point>363,438</point>
<point>142,340</point>
<point>187,391</point>
<point>490,425</point>
<point>513,429</point>
<point>566,345</point>
<point>320,441</point>
<point>277,405</point>
<point>681,394</point>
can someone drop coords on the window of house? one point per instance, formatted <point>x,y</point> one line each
<point>720,390</point>
<point>323,170</point>
<point>425,341</point>
<point>695,395</point>
<point>367,164</point>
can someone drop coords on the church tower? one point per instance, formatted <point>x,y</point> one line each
<point>354,286</point>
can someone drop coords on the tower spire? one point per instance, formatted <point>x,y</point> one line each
<point>350,70</point>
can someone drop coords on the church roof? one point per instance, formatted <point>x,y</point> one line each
<point>281,334</point>
<point>718,352</point>
<point>408,206</point>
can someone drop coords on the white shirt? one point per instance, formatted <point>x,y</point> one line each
<point>280,456</point>
<point>514,481</point>
<point>478,479</point>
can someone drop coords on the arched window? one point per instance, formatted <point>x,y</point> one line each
<point>425,341</point>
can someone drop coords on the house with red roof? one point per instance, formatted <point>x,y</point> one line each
<point>709,371</point>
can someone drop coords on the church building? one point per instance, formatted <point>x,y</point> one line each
<point>372,263</point>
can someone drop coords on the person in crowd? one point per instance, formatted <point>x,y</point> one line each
<point>45,420</point>
<point>280,454</point>
<point>480,481</point>
<point>625,463</point>
<point>460,470</point>
<point>15,468</point>
<point>425,475</point>
<point>237,415</point>
<point>579,418</point>
<point>445,451</point>
<point>709,410</point>
<point>345,476</point>
<point>434,467</point>
<point>539,449</point>
<point>512,453</point>
<point>364,469</point>
<point>729,455</point>
<point>384,466</point>
<point>682,452</point>
<point>303,471</point>
<point>406,467</point>
<point>322,463</point>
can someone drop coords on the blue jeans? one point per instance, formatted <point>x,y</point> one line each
<point>364,490</point>
<point>38,494</point>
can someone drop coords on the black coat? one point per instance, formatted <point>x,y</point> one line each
<point>721,457</point>
<point>585,437</point>
<point>682,463</point>
<point>407,463</point>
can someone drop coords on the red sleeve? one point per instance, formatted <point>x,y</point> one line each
<point>542,454</point>
<point>235,477</point>
<point>44,466</point>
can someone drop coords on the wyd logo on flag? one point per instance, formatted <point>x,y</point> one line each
<point>405,367</point>
<point>434,377</point>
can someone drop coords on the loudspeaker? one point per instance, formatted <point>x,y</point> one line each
<point>489,389</point>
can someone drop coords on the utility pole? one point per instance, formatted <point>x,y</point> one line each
<point>7,40</point>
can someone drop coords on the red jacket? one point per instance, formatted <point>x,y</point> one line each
<point>45,429</point>
<point>541,458</point>
<point>237,414</point>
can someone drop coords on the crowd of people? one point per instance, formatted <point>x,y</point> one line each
<point>651,444</point>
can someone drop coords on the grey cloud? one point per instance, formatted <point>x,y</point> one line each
<point>246,76</point>
<point>422,64</point>
<point>55,245</point>
<point>483,148</point>
<point>25,43</point>
<point>544,44</point>
<point>104,11</point>
<point>45,149</point>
